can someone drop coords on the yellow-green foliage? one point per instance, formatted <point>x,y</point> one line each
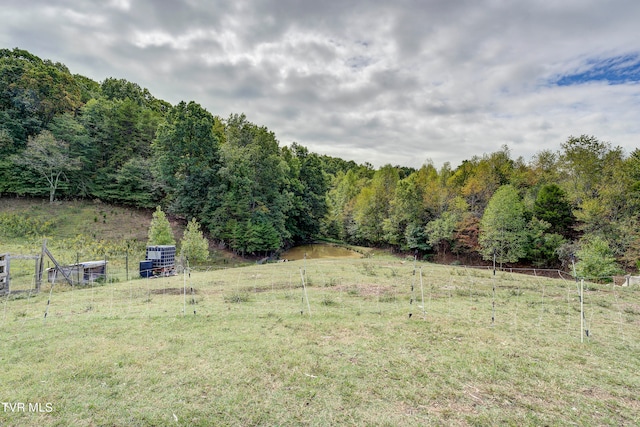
<point>99,248</point>
<point>160,232</point>
<point>194,246</point>
<point>14,225</point>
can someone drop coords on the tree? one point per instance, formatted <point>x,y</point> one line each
<point>134,184</point>
<point>8,178</point>
<point>67,128</point>
<point>551,205</point>
<point>186,159</point>
<point>441,231</point>
<point>541,245</point>
<point>544,166</point>
<point>308,186</point>
<point>339,222</point>
<point>160,232</point>
<point>415,237</point>
<point>33,91</point>
<point>372,205</point>
<point>477,179</point>
<point>631,171</point>
<point>193,246</point>
<point>596,259</point>
<point>416,199</point>
<point>253,199</point>
<point>583,161</point>
<point>466,236</point>
<point>503,227</point>
<point>49,157</point>
<point>631,242</point>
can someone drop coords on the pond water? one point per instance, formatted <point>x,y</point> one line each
<point>319,250</point>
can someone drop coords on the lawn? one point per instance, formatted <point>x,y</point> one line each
<point>252,346</point>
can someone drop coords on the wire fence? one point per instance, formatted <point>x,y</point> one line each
<point>522,305</point>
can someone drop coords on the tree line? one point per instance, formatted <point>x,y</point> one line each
<point>63,135</point>
<point>582,199</point>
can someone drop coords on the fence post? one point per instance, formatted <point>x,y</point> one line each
<point>582,310</point>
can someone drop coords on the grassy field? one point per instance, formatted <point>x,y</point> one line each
<point>252,346</point>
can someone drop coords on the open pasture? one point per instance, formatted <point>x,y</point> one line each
<point>372,341</point>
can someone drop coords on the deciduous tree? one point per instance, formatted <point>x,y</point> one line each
<point>596,259</point>
<point>503,227</point>
<point>186,160</point>
<point>50,158</point>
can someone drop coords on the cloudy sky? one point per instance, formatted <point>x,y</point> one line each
<point>382,81</point>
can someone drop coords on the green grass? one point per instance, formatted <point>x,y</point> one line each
<point>95,219</point>
<point>252,348</point>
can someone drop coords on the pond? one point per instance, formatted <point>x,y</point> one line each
<point>319,250</point>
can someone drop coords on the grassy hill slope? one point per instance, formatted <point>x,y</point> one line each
<point>96,219</point>
<point>82,230</point>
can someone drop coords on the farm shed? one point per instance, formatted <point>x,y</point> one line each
<point>627,280</point>
<point>81,273</point>
<point>632,280</point>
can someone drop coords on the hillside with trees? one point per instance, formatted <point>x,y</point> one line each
<point>64,136</point>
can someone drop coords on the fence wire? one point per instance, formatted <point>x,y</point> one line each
<point>522,305</point>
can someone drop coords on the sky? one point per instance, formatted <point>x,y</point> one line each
<point>403,82</point>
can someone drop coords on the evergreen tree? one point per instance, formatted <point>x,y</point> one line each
<point>193,246</point>
<point>160,232</point>
<point>552,206</point>
<point>542,245</point>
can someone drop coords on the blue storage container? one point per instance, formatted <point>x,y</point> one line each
<point>146,268</point>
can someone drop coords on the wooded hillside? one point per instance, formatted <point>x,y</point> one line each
<point>65,136</point>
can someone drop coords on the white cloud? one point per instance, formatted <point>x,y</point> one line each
<point>397,82</point>
<point>120,4</point>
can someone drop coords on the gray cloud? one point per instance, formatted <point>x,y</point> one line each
<point>384,82</point>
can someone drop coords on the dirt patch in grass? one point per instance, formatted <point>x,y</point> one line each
<point>174,291</point>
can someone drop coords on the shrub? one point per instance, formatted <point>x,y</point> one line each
<point>19,226</point>
<point>596,259</point>
<point>236,298</point>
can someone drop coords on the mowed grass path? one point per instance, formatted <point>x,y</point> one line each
<point>248,346</point>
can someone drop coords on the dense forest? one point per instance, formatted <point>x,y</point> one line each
<point>65,136</point>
